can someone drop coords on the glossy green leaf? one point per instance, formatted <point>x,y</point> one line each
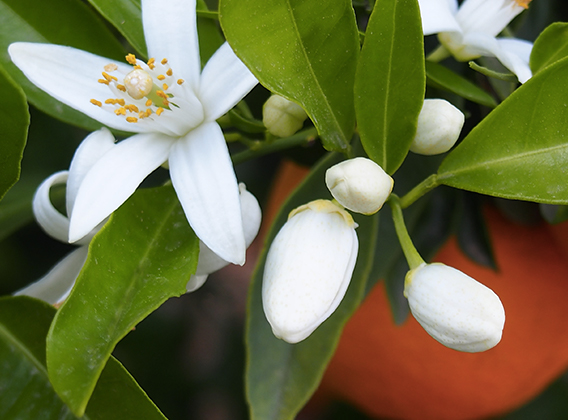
<point>26,393</point>
<point>144,255</point>
<point>66,22</point>
<point>126,17</point>
<point>14,120</point>
<point>443,78</point>
<point>305,51</point>
<point>520,150</point>
<point>550,46</point>
<point>281,377</point>
<point>390,82</point>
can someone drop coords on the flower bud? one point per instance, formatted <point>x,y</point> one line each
<point>439,126</point>
<point>282,117</point>
<point>308,268</point>
<point>359,185</point>
<point>453,308</point>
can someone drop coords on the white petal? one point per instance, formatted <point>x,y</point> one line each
<point>205,182</point>
<point>224,82</point>
<point>210,262</point>
<point>170,29</point>
<point>52,222</point>
<point>438,16</point>
<point>487,16</point>
<point>70,76</point>
<point>114,178</point>
<point>505,50</point>
<point>195,282</point>
<point>56,285</point>
<point>307,272</point>
<point>89,151</point>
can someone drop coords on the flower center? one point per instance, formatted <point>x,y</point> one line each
<point>145,92</point>
<point>523,3</point>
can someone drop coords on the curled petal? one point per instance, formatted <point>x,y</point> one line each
<point>224,82</point>
<point>205,183</point>
<point>113,178</point>
<point>438,16</point>
<point>56,285</point>
<point>52,222</point>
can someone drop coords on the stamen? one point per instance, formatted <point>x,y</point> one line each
<point>523,3</point>
<point>151,63</point>
<point>109,77</point>
<point>169,72</point>
<point>165,86</point>
<point>149,112</point>
<point>120,101</point>
<point>149,102</point>
<point>131,59</point>
<point>121,87</point>
<point>110,101</point>
<point>131,108</point>
<point>120,111</point>
<point>164,61</point>
<point>161,94</point>
<point>131,119</point>
<point>165,102</point>
<point>103,81</point>
<point>110,67</point>
<point>180,81</point>
<point>138,84</point>
<point>137,67</point>
<point>161,77</point>
<point>95,102</point>
<point>159,111</point>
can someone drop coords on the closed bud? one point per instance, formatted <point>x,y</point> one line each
<point>308,268</point>
<point>282,117</point>
<point>453,308</point>
<point>359,185</point>
<point>439,127</point>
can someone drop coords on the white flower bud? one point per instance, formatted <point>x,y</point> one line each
<point>308,268</point>
<point>282,117</point>
<point>439,126</point>
<point>359,185</point>
<point>210,262</point>
<point>453,308</point>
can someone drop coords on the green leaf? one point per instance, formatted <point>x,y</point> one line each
<point>390,82</point>
<point>520,150</point>
<point>443,78</point>
<point>305,51</point>
<point>550,46</point>
<point>144,255</point>
<point>280,377</point>
<point>126,17</point>
<point>26,391</point>
<point>66,22</point>
<point>14,120</point>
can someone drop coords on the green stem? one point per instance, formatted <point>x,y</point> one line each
<point>414,194</point>
<point>299,139</point>
<point>438,54</point>
<point>412,256</point>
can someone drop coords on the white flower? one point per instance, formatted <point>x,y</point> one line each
<point>56,285</point>
<point>453,308</point>
<point>439,127</point>
<point>470,31</point>
<point>359,184</point>
<point>308,269</point>
<point>171,104</point>
<point>282,117</point>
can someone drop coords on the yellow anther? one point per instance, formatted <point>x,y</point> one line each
<point>109,77</point>
<point>110,101</point>
<point>103,81</point>
<point>120,111</point>
<point>121,87</point>
<point>151,62</point>
<point>131,119</point>
<point>149,102</point>
<point>169,72</point>
<point>149,112</point>
<point>166,102</point>
<point>523,3</point>
<point>165,86</point>
<point>159,111</point>
<point>141,115</point>
<point>137,67</point>
<point>110,67</point>
<point>180,81</point>
<point>161,94</point>
<point>95,102</point>
<point>161,77</point>
<point>131,59</point>
<point>164,61</point>
<point>120,102</point>
<point>131,108</point>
